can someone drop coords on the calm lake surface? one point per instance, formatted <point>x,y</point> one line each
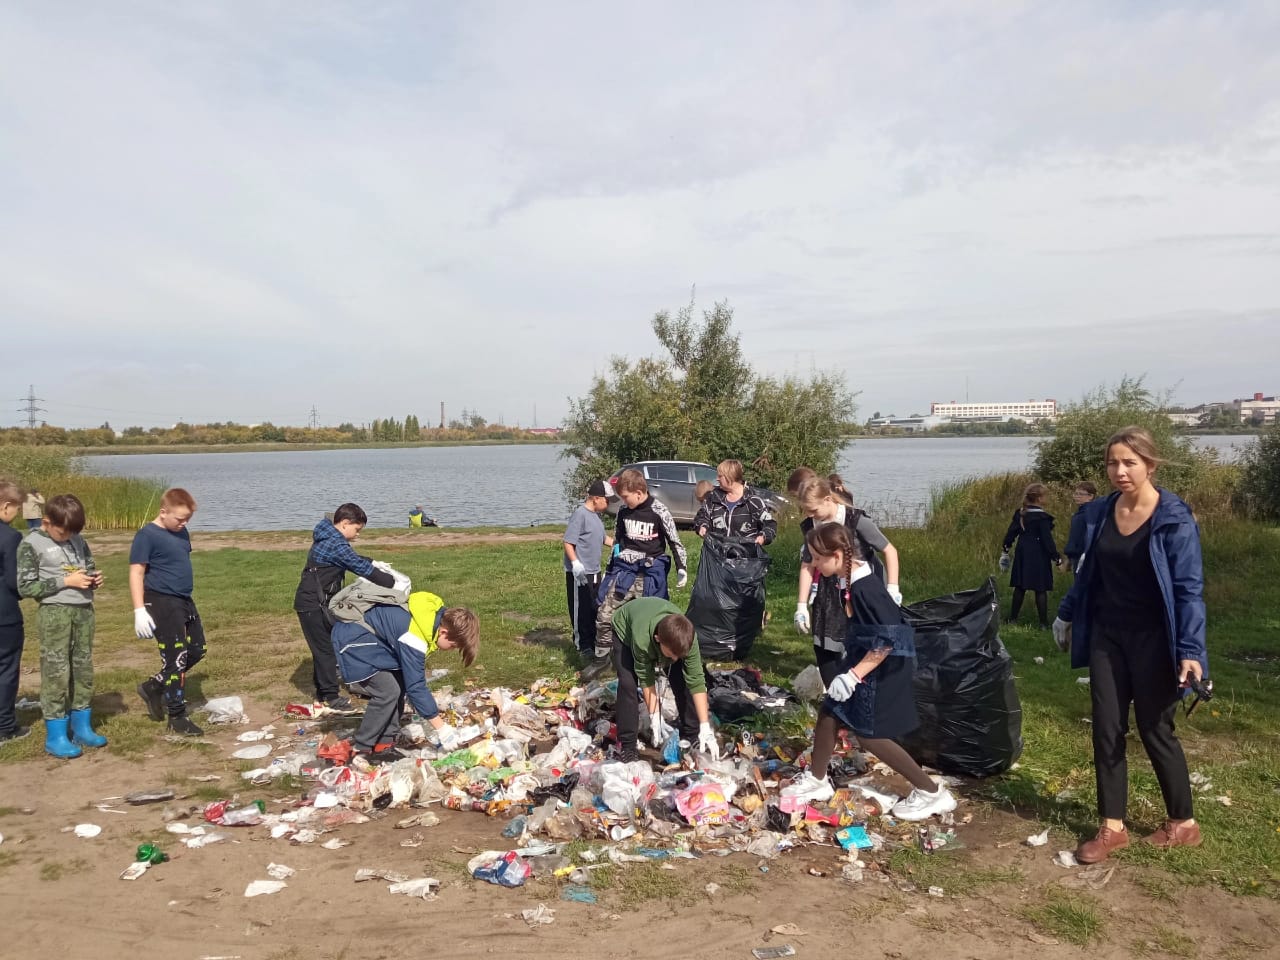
<point>518,485</point>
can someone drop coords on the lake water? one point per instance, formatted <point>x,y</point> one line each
<point>517,485</point>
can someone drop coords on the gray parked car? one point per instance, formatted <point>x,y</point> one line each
<point>673,482</point>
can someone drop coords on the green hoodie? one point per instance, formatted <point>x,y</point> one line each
<point>634,624</point>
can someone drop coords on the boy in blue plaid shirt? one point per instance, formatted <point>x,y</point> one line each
<point>328,562</point>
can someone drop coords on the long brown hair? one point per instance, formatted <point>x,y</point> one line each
<point>836,483</point>
<point>1140,441</point>
<point>1033,496</point>
<point>825,539</point>
<point>812,492</point>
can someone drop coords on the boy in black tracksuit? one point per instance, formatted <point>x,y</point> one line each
<point>644,531</point>
<point>10,613</point>
<point>328,561</point>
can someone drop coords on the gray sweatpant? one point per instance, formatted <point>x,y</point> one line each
<point>604,616</point>
<point>381,722</point>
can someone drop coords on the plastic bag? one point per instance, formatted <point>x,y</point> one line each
<point>225,710</point>
<point>808,684</point>
<point>508,870</point>
<point>705,803</point>
<point>727,603</point>
<point>970,715</point>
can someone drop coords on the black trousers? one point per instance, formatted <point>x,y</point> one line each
<point>1135,666</point>
<point>627,716</point>
<point>10,667</point>
<point>381,720</point>
<point>582,610</point>
<point>180,640</point>
<point>324,662</point>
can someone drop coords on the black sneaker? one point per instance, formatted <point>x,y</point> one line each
<point>388,755</point>
<point>341,705</point>
<point>152,694</point>
<point>597,668</point>
<point>183,724</point>
<point>17,733</point>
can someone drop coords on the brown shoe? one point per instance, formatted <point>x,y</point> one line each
<point>1100,847</point>
<point>1176,833</point>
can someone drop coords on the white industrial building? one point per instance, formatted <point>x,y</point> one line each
<point>1019,409</point>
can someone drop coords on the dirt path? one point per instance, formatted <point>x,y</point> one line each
<point>61,895</point>
<point>113,542</point>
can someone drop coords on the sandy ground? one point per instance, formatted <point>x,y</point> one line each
<point>60,896</point>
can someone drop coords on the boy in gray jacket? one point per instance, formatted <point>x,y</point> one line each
<point>55,568</point>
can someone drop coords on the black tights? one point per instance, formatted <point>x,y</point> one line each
<point>824,744</point>
<point>1042,606</point>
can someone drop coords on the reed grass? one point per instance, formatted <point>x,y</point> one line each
<point>111,503</point>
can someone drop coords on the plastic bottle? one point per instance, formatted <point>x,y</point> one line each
<point>245,816</point>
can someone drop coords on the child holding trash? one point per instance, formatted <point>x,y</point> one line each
<point>871,694</point>
<point>331,556</point>
<point>161,582</point>
<point>584,541</point>
<point>639,567</point>
<point>1032,529</point>
<point>11,638</point>
<point>653,636</point>
<point>55,568</point>
<point>828,618</point>
<point>384,658</point>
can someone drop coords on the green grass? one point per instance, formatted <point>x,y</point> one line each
<point>517,588</point>
<point>1076,918</point>
<point>953,872</point>
<point>54,871</point>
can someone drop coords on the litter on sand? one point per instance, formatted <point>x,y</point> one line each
<point>424,888</point>
<point>541,914</point>
<point>278,871</point>
<point>1038,839</point>
<point>258,888</point>
<point>87,830</point>
<point>1066,858</point>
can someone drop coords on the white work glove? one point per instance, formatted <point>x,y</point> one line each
<point>143,625</point>
<point>446,738</point>
<point>842,687</point>
<point>1005,562</point>
<point>894,592</point>
<point>579,571</point>
<point>660,730</point>
<point>707,741</point>
<point>801,619</point>
<point>1062,633</point>
<point>681,579</point>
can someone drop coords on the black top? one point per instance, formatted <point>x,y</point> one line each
<point>1036,553</point>
<point>1124,589</point>
<point>10,612</point>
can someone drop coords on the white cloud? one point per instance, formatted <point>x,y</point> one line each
<point>375,208</point>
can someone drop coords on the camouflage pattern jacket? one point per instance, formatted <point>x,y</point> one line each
<point>43,565</point>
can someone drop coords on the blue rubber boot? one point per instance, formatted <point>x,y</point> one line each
<point>56,742</point>
<point>81,731</point>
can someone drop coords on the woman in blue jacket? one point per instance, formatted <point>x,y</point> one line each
<point>1135,617</point>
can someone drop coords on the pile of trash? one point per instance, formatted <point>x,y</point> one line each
<point>544,761</point>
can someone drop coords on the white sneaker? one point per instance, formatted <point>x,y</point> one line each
<point>810,789</point>
<point>921,805</point>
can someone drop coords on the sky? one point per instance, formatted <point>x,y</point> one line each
<point>242,211</point>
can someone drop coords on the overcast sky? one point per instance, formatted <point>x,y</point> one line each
<point>215,211</point>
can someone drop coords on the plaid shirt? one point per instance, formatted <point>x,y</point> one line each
<point>331,549</point>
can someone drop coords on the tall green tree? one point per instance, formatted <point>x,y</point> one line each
<point>704,402</point>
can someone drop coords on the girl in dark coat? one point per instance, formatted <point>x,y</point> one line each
<point>872,693</point>
<point>1032,528</point>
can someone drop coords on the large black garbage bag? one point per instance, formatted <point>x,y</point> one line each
<point>727,604</point>
<point>970,716</point>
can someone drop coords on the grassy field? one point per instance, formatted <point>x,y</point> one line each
<point>111,503</point>
<point>518,591</point>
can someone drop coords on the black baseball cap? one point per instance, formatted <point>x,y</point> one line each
<point>601,488</point>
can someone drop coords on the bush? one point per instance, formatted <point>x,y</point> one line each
<point>1259,489</point>
<point>1077,450</point>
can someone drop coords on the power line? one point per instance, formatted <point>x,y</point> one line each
<point>315,417</point>
<point>30,408</point>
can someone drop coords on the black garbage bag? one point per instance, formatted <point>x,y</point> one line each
<point>970,715</point>
<point>735,694</point>
<point>727,604</point>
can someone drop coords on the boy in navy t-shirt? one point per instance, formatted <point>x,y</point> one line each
<point>160,583</point>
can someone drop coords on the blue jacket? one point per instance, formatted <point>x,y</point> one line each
<point>1175,556</point>
<point>390,648</point>
<point>621,575</point>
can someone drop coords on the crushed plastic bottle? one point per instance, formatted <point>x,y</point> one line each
<point>217,812</point>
